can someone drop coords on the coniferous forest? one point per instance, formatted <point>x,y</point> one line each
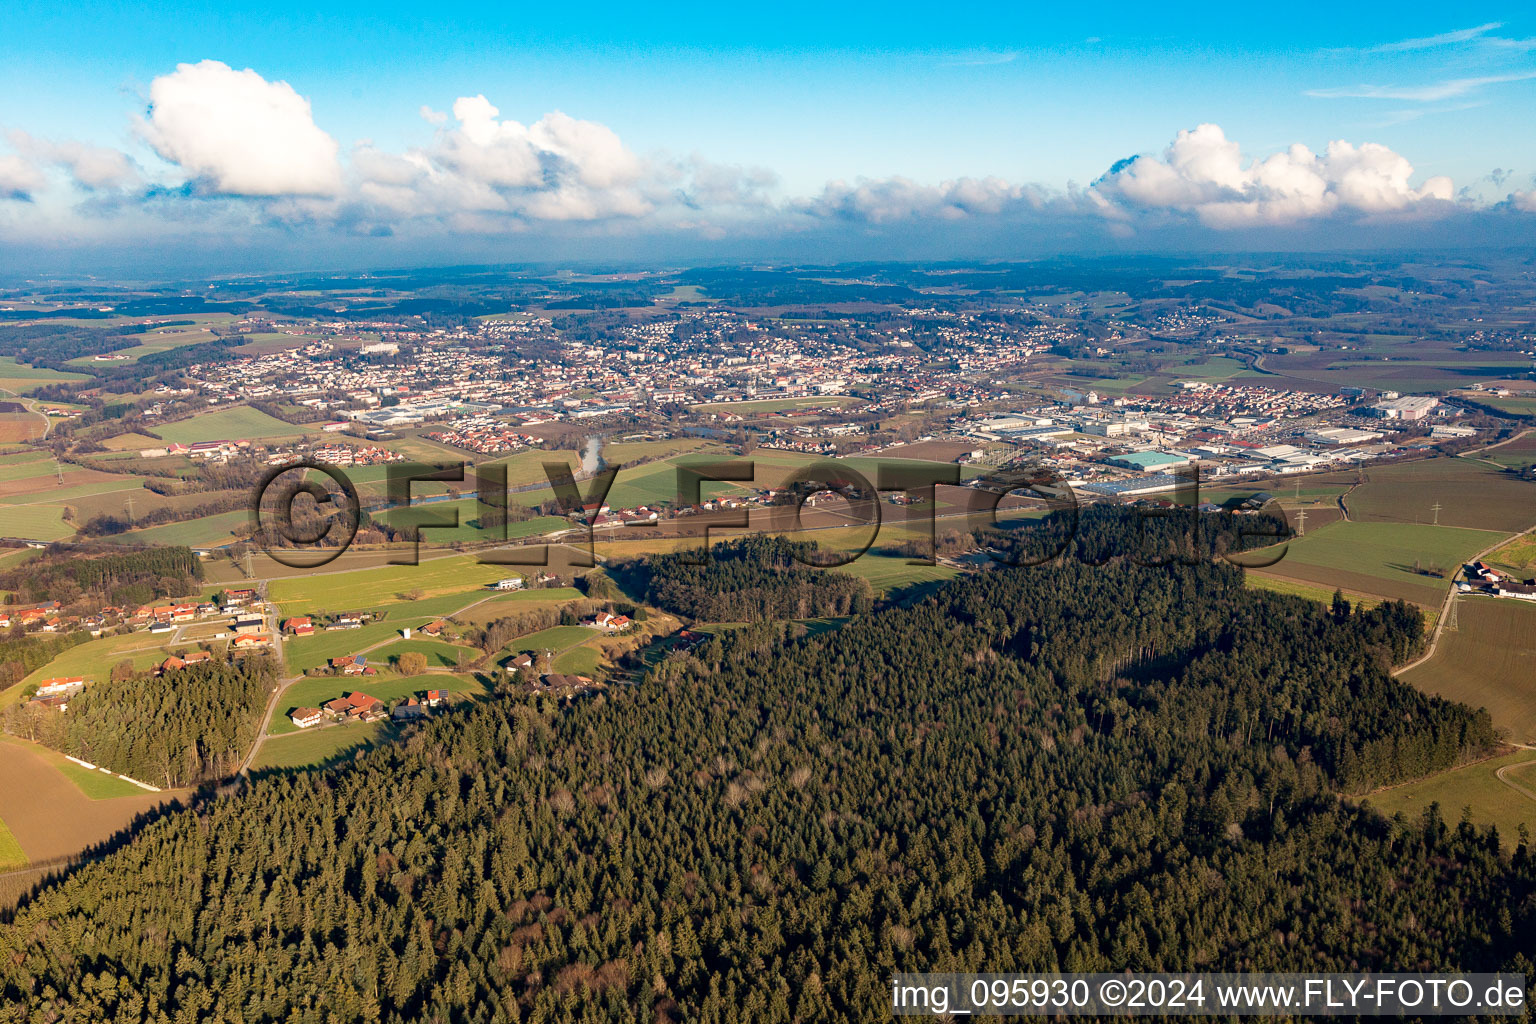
<point>1075,767</point>
<point>189,726</point>
<point>752,579</point>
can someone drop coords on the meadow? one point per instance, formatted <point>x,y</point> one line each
<point>233,424</point>
<point>94,658</point>
<point>556,638</point>
<point>1474,789</point>
<point>1488,661</point>
<point>21,378</point>
<point>1377,558</point>
<point>205,532</point>
<point>34,522</point>
<point>315,747</point>
<point>366,588</point>
<point>11,854</point>
<point>1470,494</point>
<point>313,692</point>
<point>439,654</point>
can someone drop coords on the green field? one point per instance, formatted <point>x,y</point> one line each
<point>26,465</point>
<point>11,856</point>
<point>98,785</point>
<point>439,654</point>
<point>1470,494</point>
<point>1294,588</point>
<point>366,588</point>
<point>1476,787</point>
<point>209,531</point>
<point>239,423</point>
<point>887,573</point>
<point>1377,558</point>
<point>94,658</point>
<point>556,638</point>
<point>580,661</point>
<point>314,747</point>
<point>1489,661</point>
<point>313,692</point>
<point>59,495</point>
<point>34,522</point>
<point>469,510</point>
<point>22,378</point>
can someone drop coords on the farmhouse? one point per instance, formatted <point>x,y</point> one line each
<point>356,705</point>
<point>305,717</point>
<point>299,625</point>
<point>60,685</point>
<point>250,641</point>
<point>409,711</point>
<point>352,665</point>
<point>510,583</point>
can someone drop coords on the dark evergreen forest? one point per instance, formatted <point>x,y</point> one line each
<point>188,726</point>
<point>1073,767</point>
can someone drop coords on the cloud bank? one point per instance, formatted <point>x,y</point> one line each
<point>228,151</point>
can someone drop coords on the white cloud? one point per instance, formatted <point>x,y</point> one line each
<point>1450,88</point>
<point>1524,201</point>
<point>19,179</point>
<point>559,169</point>
<point>240,134</point>
<point>1205,173</point>
<point>93,167</point>
<point>1460,35</point>
<point>895,199</point>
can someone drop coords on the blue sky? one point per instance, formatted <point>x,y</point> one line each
<point>793,96</point>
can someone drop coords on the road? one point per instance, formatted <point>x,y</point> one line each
<point>1445,607</point>
<point>287,681</point>
<point>1517,787</point>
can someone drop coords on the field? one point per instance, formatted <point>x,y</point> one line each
<point>439,654</point>
<point>316,746</point>
<point>1474,787</point>
<point>34,522</point>
<point>887,573</point>
<point>1377,558</point>
<point>11,855</point>
<point>1489,661</point>
<point>21,378</point>
<point>1312,593</point>
<point>94,658</point>
<point>556,638</point>
<point>313,692</point>
<point>365,588</point>
<point>241,422</point>
<point>1518,556</point>
<point>469,510</point>
<point>209,531</point>
<point>26,464</point>
<point>48,815</point>
<point>581,661</point>
<point>1470,494</point>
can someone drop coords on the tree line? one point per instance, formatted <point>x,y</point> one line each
<point>1069,768</point>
